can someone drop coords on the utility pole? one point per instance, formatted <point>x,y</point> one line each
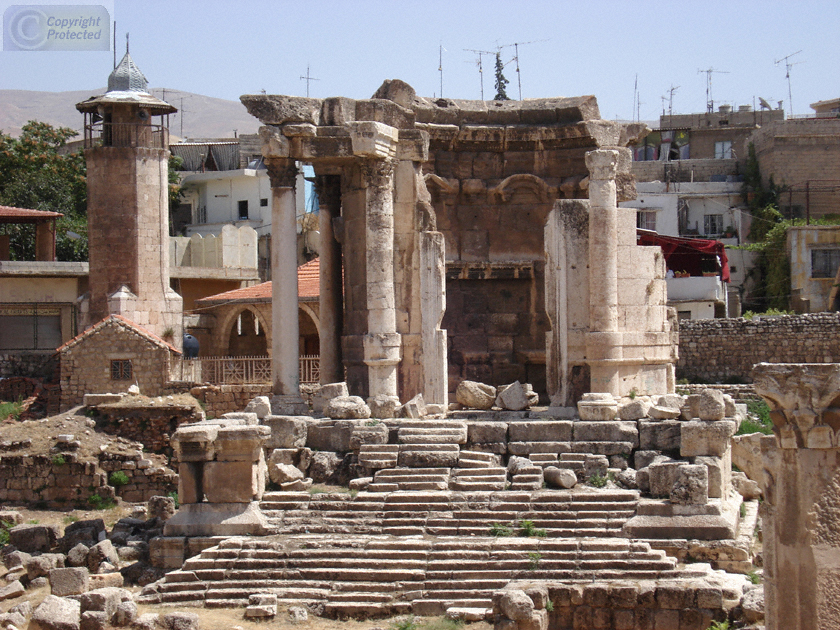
<point>440,68</point>
<point>788,66</point>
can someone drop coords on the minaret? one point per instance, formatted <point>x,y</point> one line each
<point>127,153</point>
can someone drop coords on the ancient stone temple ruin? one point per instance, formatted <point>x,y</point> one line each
<point>468,246</point>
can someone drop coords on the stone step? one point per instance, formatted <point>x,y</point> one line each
<point>438,607</point>
<point>429,448</point>
<point>422,424</point>
<point>477,486</point>
<point>480,456</point>
<point>479,472</point>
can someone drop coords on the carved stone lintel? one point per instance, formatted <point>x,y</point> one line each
<point>281,173</point>
<point>378,173</point>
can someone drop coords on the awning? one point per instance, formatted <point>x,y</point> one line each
<point>686,254</point>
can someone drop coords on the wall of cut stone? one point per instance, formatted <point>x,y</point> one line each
<point>34,364</point>
<point>727,349</point>
<point>221,399</point>
<point>60,481</point>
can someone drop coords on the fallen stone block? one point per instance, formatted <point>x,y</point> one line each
<point>691,487</point>
<point>698,437</point>
<point>598,407</point>
<point>56,613</point>
<point>260,405</point>
<point>560,477</point>
<point>69,581</point>
<point>347,407</point>
<point>181,621</point>
<point>711,405</point>
<point>15,589</point>
<point>40,566</point>
<point>659,436</point>
<point>475,395</point>
<point>286,432</point>
<point>33,538</point>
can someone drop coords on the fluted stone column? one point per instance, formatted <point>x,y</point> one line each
<point>603,343</point>
<point>801,511</point>
<point>331,308</point>
<point>285,351</point>
<point>382,342</point>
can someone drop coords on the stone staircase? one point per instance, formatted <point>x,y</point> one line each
<point>484,479</point>
<point>410,479</point>
<point>371,576</point>
<point>378,456</point>
<point>562,513</point>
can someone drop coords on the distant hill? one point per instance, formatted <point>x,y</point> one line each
<point>204,116</point>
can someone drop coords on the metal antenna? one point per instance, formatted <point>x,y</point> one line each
<point>710,103</point>
<point>788,66</point>
<point>636,96</point>
<point>126,43</point>
<point>440,68</point>
<point>480,65</point>
<point>308,78</point>
<point>671,91</point>
<point>516,46</point>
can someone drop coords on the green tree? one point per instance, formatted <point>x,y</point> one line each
<point>501,81</point>
<point>35,174</point>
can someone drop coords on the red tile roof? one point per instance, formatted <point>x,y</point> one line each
<point>309,287</point>
<point>10,214</point>
<point>123,321</point>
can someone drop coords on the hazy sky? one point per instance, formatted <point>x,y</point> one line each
<point>225,49</point>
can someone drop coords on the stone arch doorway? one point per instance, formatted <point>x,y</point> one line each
<point>247,336</point>
<point>310,339</point>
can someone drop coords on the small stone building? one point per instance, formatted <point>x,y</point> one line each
<point>110,357</point>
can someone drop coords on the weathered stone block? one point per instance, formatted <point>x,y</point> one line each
<point>711,405</point>
<point>720,472</point>
<point>691,487</point>
<point>167,552</point>
<point>706,438</point>
<point>194,442</point>
<point>540,431</point>
<point>634,410</point>
<point>606,431</point>
<point>286,432</point>
<point>69,581</point>
<point>662,477</point>
<point>232,482</point>
<point>56,613</point>
<point>347,407</point>
<point>190,482</point>
<point>33,538</point>
<point>331,435</point>
<point>598,407</point>
<point>475,395</point>
<point>241,444</point>
<point>487,432</point>
<point>364,434</point>
<point>663,435</point>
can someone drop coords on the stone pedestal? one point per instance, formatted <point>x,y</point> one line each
<point>222,474</point>
<point>802,495</point>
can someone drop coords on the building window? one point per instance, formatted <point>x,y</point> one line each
<point>723,150</point>
<point>683,315</point>
<point>202,214</point>
<point>243,210</point>
<point>264,202</point>
<point>712,224</point>
<point>646,220</point>
<point>824,263</point>
<point>121,370</point>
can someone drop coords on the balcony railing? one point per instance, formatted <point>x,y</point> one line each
<point>102,134</point>
<point>241,370</point>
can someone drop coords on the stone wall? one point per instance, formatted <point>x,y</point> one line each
<point>61,481</point>
<point>32,363</point>
<point>221,399</point>
<point>618,604</point>
<point>727,349</point>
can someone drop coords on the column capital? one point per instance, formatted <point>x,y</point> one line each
<point>378,173</point>
<point>804,400</point>
<point>602,163</point>
<point>282,173</point>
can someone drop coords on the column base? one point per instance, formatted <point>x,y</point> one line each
<point>288,405</point>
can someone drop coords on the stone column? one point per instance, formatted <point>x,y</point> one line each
<point>382,342</point>
<point>285,351</point>
<point>603,343</point>
<point>801,511</point>
<point>331,298</point>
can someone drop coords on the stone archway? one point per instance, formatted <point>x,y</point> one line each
<point>308,325</point>
<point>247,335</point>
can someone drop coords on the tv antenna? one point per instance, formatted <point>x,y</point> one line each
<point>710,103</point>
<point>788,66</point>
<point>636,98</point>
<point>516,46</point>
<point>670,99</point>
<point>480,64</point>
<point>440,67</point>
<point>308,78</point>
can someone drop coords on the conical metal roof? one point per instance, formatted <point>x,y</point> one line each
<point>127,77</point>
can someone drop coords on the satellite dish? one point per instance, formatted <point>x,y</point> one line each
<point>143,114</point>
<point>764,103</point>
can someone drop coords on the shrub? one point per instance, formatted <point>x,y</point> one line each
<point>500,531</point>
<point>754,577</point>
<point>598,480</point>
<point>97,502</point>
<point>59,460</point>
<point>174,495</point>
<point>534,558</point>
<point>118,478</point>
<point>405,624</point>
